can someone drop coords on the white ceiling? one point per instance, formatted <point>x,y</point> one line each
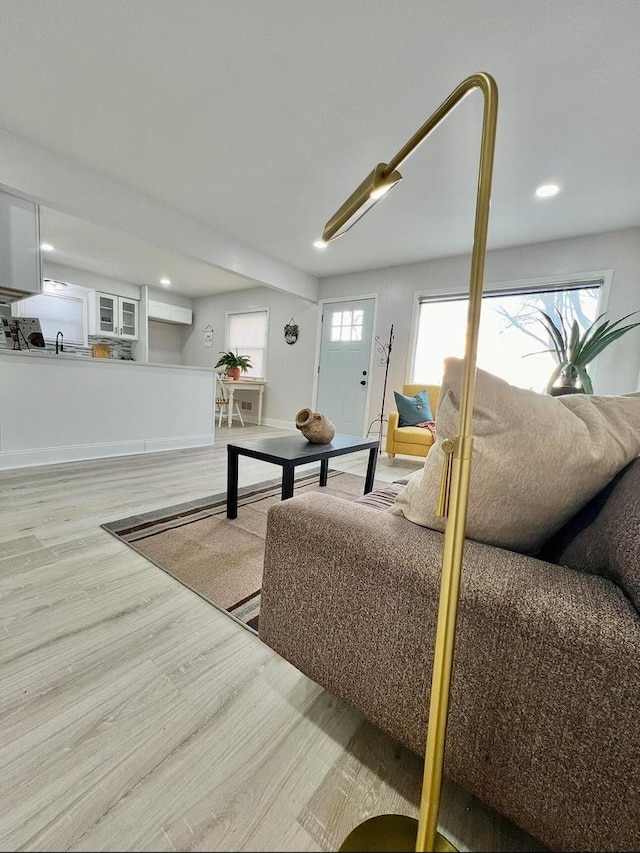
<point>259,118</point>
<point>118,255</point>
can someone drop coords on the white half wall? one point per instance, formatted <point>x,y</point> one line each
<point>65,408</point>
<point>619,367</point>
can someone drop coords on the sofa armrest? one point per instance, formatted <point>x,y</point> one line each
<point>334,565</point>
<point>544,698</point>
<point>349,590</point>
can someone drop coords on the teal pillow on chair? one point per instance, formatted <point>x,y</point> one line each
<point>413,410</point>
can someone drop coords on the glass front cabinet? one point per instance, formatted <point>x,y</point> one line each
<point>113,316</point>
<point>128,317</point>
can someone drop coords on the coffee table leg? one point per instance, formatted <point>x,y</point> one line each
<point>232,482</point>
<point>324,471</point>
<point>287,481</point>
<point>371,470</point>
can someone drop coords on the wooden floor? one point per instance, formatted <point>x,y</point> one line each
<point>135,716</point>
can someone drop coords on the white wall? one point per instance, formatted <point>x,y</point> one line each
<point>619,251</point>
<point>168,297</point>
<point>289,367</point>
<point>61,408</point>
<point>165,342</point>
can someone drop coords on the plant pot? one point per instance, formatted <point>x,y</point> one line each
<point>233,373</point>
<point>559,390</point>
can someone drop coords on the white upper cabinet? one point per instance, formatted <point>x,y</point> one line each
<point>169,313</point>
<point>103,315</point>
<point>128,318</point>
<point>113,316</point>
<point>19,246</point>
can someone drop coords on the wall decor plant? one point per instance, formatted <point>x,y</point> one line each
<point>574,350</point>
<point>291,332</point>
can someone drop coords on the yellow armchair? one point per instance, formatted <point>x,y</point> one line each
<point>411,440</point>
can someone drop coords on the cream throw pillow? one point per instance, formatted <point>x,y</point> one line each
<point>536,461</point>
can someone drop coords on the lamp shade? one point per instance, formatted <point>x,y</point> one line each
<point>374,187</point>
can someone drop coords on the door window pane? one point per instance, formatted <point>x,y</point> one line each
<point>346,325</point>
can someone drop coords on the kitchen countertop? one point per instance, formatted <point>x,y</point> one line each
<point>49,356</point>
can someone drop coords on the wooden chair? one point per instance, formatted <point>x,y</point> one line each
<point>222,400</point>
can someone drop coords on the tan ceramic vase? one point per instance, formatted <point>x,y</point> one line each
<point>315,427</point>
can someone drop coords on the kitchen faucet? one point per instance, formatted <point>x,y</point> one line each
<point>59,344</point>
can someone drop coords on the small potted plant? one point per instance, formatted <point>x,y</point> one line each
<point>234,363</point>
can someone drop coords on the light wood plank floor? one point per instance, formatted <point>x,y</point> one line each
<point>135,716</point>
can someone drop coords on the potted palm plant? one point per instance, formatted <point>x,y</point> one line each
<point>234,363</point>
<point>574,350</point>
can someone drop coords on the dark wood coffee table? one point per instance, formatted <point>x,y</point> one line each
<point>293,450</point>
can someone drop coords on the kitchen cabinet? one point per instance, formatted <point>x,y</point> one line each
<point>170,313</point>
<point>113,316</point>
<point>20,272</point>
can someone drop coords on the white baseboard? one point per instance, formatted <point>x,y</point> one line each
<point>152,445</point>
<point>253,419</point>
<point>273,422</point>
<point>78,452</point>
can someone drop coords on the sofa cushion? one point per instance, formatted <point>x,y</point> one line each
<point>414,435</point>
<point>604,536</point>
<point>413,410</point>
<point>537,459</point>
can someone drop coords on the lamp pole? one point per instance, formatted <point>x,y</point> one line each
<point>397,832</point>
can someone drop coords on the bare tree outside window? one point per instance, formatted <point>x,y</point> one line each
<point>510,331</point>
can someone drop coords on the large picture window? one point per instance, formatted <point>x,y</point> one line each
<point>247,333</point>
<point>510,331</point>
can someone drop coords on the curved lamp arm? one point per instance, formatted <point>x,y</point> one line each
<point>456,480</point>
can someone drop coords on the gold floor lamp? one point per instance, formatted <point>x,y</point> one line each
<point>398,832</point>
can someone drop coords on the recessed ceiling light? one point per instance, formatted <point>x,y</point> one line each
<point>165,282</point>
<point>320,244</point>
<point>547,190</point>
<point>46,247</point>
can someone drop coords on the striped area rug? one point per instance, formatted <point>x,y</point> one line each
<point>219,559</point>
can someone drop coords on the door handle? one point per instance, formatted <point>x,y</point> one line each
<point>362,382</point>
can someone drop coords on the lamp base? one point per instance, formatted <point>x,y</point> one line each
<point>389,832</point>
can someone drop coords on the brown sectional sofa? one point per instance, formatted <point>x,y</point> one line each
<point>544,722</point>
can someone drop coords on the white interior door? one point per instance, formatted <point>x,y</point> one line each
<point>345,357</point>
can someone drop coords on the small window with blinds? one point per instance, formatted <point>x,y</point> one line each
<point>512,341</point>
<point>247,334</point>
